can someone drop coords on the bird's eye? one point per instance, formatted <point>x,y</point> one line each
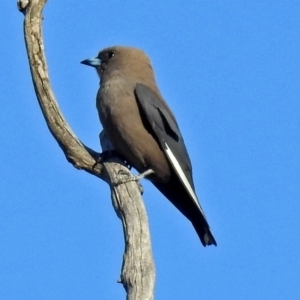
<point>111,54</point>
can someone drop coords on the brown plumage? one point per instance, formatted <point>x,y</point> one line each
<point>142,128</point>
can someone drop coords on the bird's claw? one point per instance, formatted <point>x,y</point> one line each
<point>127,177</point>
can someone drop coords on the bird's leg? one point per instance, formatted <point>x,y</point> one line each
<point>127,177</point>
<point>108,154</point>
<point>144,174</point>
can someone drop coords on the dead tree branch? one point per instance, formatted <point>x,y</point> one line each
<point>138,271</point>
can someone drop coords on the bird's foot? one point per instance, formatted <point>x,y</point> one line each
<point>105,155</point>
<point>127,177</point>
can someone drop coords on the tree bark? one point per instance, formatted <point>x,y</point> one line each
<point>138,270</point>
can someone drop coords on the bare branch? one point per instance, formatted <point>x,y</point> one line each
<point>138,271</point>
<point>78,154</point>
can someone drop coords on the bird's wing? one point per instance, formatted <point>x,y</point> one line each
<point>167,133</point>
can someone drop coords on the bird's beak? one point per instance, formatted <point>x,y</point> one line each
<point>92,62</point>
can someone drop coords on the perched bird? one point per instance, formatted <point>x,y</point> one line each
<point>142,128</point>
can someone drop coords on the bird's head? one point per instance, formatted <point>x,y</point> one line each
<point>121,61</point>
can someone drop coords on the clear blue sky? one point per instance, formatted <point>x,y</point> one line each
<point>230,72</point>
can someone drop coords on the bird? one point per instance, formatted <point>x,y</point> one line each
<point>142,128</point>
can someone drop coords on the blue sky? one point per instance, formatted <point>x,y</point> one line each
<point>230,72</point>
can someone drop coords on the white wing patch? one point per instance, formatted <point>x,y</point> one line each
<point>182,176</point>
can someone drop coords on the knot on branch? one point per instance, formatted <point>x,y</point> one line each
<point>22,5</point>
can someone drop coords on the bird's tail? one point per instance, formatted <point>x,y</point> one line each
<point>204,233</point>
<point>181,199</point>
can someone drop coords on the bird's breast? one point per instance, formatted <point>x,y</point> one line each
<point>122,122</point>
